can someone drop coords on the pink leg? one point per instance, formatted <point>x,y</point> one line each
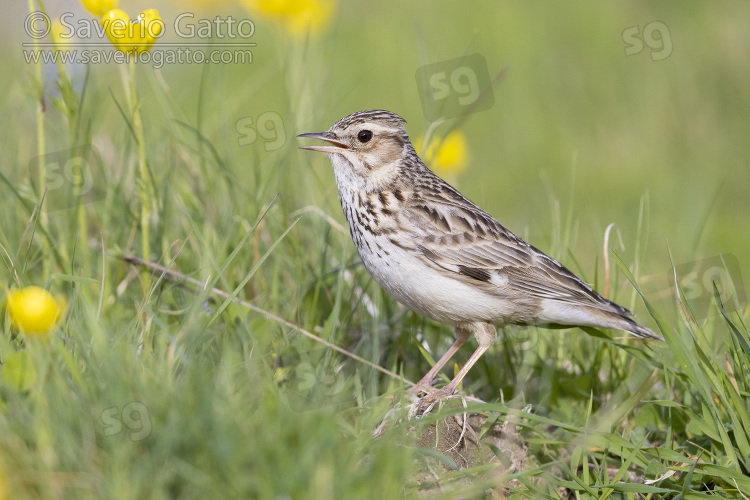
<point>485,334</point>
<point>461,337</point>
<point>451,387</point>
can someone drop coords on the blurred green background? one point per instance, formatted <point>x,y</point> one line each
<point>575,120</point>
<point>633,113</point>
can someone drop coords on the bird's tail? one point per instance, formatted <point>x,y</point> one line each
<point>609,316</point>
<point>642,331</point>
<point>620,321</point>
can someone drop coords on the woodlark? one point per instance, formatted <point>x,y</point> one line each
<point>441,255</point>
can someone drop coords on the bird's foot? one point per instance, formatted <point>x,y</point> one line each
<point>420,390</point>
<point>425,404</point>
<point>422,401</point>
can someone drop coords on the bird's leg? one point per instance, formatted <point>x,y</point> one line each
<point>462,335</point>
<point>485,334</point>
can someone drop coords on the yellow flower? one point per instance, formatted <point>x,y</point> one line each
<point>100,7</point>
<point>33,310</point>
<point>132,36</point>
<point>448,155</point>
<point>298,17</point>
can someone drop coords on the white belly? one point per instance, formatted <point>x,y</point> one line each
<point>429,291</point>
<point>406,276</point>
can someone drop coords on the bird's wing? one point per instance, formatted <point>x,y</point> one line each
<point>460,237</point>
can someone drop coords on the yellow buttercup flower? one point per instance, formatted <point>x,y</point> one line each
<point>448,156</point>
<point>132,36</point>
<point>298,17</point>
<point>100,7</point>
<point>33,310</point>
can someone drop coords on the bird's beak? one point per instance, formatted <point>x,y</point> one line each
<point>324,136</point>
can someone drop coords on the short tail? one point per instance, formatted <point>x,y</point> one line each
<point>609,316</point>
<point>641,331</point>
<point>620,318</point>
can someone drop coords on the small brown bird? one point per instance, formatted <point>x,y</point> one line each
<point>440,254</point>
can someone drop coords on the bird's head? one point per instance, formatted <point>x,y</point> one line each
<point>366,142</point>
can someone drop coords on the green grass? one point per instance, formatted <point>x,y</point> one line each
<point>156,387</point>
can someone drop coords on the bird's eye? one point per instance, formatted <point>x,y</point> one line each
<point>364,136</point>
